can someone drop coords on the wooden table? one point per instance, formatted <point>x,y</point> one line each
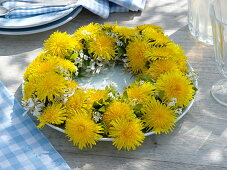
<point>199,140</point>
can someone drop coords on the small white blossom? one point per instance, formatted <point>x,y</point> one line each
<point>97,116</point>
<point>98,70</point>
<point>173,102</point>
<point>85,57</point>
<point>34,106</point>
<point>179,111</point>
<point>192,75</point>
<point>113,84</point>
<point>119,43</point>
<point>134,101</point>
<point>141,82</point>
<point>156,94</point>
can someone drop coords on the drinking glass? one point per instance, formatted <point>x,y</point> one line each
<point>199,20</point>
<point>218,15</point>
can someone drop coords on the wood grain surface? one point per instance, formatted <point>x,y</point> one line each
<point>199,140</point>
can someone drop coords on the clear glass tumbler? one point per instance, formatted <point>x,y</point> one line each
<point>218,15</point>
<point>199,20</point>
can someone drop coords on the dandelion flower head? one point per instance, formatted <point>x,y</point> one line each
<point>175,85</point>
<point>96,95</point>
<point>149,26</point>
<point>158,38</point>
<point>50,86</point>
<point>54,114</point>
<point>77,103</point>
<point>102,46</point>
<point>87,32</point>
<point>59,44</point>
<point>159,67</point>
<point>82,130</point>
<point>140,92</point>
<point>116,110</point>
<point>136,51</point>
<point>161,53</point>
<point>127,133</point>
<point>158,117</point>
<point>125,31</point>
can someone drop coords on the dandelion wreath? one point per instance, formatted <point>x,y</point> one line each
<point>163,84</point>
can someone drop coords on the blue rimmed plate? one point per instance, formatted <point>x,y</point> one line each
<point>33,21</point>
<point>41,28</point>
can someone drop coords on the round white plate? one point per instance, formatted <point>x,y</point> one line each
<point>26,22</point>
<point>185,110</point>
<point>41,28</point>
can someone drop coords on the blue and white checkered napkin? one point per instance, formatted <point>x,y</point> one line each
<point>98,7</point>
<point>22,145</point>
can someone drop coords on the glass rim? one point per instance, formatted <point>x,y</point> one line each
<point>213,13</point>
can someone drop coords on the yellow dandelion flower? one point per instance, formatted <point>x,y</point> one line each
<point>87,32</point>
<point>65,64</point>
<point>177,49</point>
<point>125,32</point>
<point>51,64</point>
<point>29,88</point>
<point>59,44</point>
<point>50,85</point>
<point>127,133</point>
<point>175,85</point>
<point>159,67</point>
<point>43,55</point>
<point>77,103</point>
<point>96,95</point>
<point>32,68</point>
<point>116,110</point>
<point>77,43</point>
<point>149,26</point>
<point>102,46</point>
<point>140,92</point>
<point>158,117</point>
<point>136,51</point>
<point>71,84</point>
<point>82,130</point>
<point>158,38</point>
<point>108,26</point>
<point>179,56</point>
<point>53,114</point>
<point>162,53</point>
<point>182,64</point>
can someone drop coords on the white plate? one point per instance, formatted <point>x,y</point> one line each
<point>186,109</point>
<point>41,28</point>
<point>33,21</point>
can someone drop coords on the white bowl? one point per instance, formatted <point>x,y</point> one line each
<point>185,110</point>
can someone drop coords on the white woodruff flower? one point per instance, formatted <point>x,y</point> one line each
<point>192,75</point>
<point>97,116</point>
<point>173,102</point>
<point>179,111</point>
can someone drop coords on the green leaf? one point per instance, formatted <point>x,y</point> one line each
<point>102,109</point>
<point>74,56</point>
<point>145,78</point>
<point>96,105</point>
<point>161,95</point>
<point>138,107</point>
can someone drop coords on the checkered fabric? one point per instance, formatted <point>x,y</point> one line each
<point>22,145</point>
<point>98,7</point>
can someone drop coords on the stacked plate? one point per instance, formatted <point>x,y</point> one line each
<point>41,19</point>
<point>37,23</point>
